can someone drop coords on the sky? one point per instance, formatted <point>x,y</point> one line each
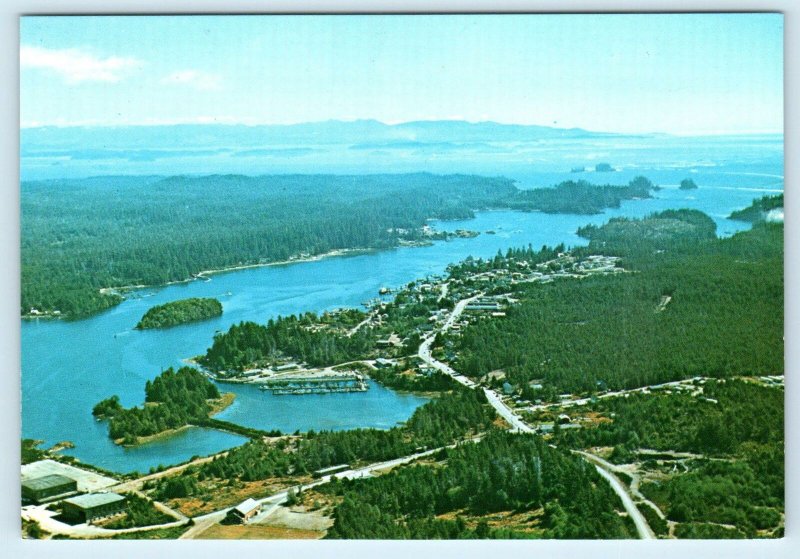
<point>680,74</point>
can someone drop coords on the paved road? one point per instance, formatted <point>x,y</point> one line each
<point>424,351</point>
<point>45,519</point>
<point>495,400</point>
<point>604,470</point>
<point>458,310</point>
<point>506,413</point>
<point>603,467</point>
<point>641,389</point>
<point>136,484</point>
<point>202,523</point>
<point>633,487</point>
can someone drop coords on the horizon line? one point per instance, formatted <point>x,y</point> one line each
<point>227,122</point>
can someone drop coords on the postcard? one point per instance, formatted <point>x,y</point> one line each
<point>395,277</point>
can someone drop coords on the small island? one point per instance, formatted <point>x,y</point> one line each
<point>180,312</point>
<point>688,184</point>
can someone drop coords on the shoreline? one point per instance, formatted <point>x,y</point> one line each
<point>298,259</point>
<point>401,243</point>
<point>291,260</point>
<point>224,402</point>
<point>204,275</point>
<point>150,438</point>
<point>217,406</point>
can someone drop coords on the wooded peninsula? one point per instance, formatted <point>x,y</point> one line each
<point>174,399</point>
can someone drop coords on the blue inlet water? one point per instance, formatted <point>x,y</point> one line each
<point>69,366</point>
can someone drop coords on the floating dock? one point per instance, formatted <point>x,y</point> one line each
<point>316,384</point>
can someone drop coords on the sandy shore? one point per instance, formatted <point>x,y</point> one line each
<point>225,400</point>
<point>297,260</point>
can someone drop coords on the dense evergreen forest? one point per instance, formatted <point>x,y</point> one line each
<point>172,400</point>
<point>695,306</point>
<point>180,312</point>
<point>742,495</point>
<point>80,236</point>
<point>671,229</point>
<point>394,378</point>
<point>248,343</point>
<point>564,495</point>
<point>758,210</point>
<point>730,413</point>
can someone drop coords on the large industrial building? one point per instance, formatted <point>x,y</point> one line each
<point>48,487</point>
<point>88,481</point>
<point>85,508</point>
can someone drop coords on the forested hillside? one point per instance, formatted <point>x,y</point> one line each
<point>670,229</point>
<point>581,197</point>
<point>698,306</point>
<point>80,236</point>
<point>562,494</point>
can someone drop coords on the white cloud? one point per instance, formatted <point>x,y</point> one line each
<point>75,65</point>
<point>202,81</point>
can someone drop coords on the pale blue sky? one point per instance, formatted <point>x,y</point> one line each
<point>684,74</point>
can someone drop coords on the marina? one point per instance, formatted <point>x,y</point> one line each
<point>323,383</point>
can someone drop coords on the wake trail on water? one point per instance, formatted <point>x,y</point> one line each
<point>753,174</point>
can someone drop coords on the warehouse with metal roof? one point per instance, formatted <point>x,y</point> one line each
<point>48,487</point>
<point>89,507</point>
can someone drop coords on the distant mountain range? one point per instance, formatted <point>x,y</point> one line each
<point>362,134</point>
